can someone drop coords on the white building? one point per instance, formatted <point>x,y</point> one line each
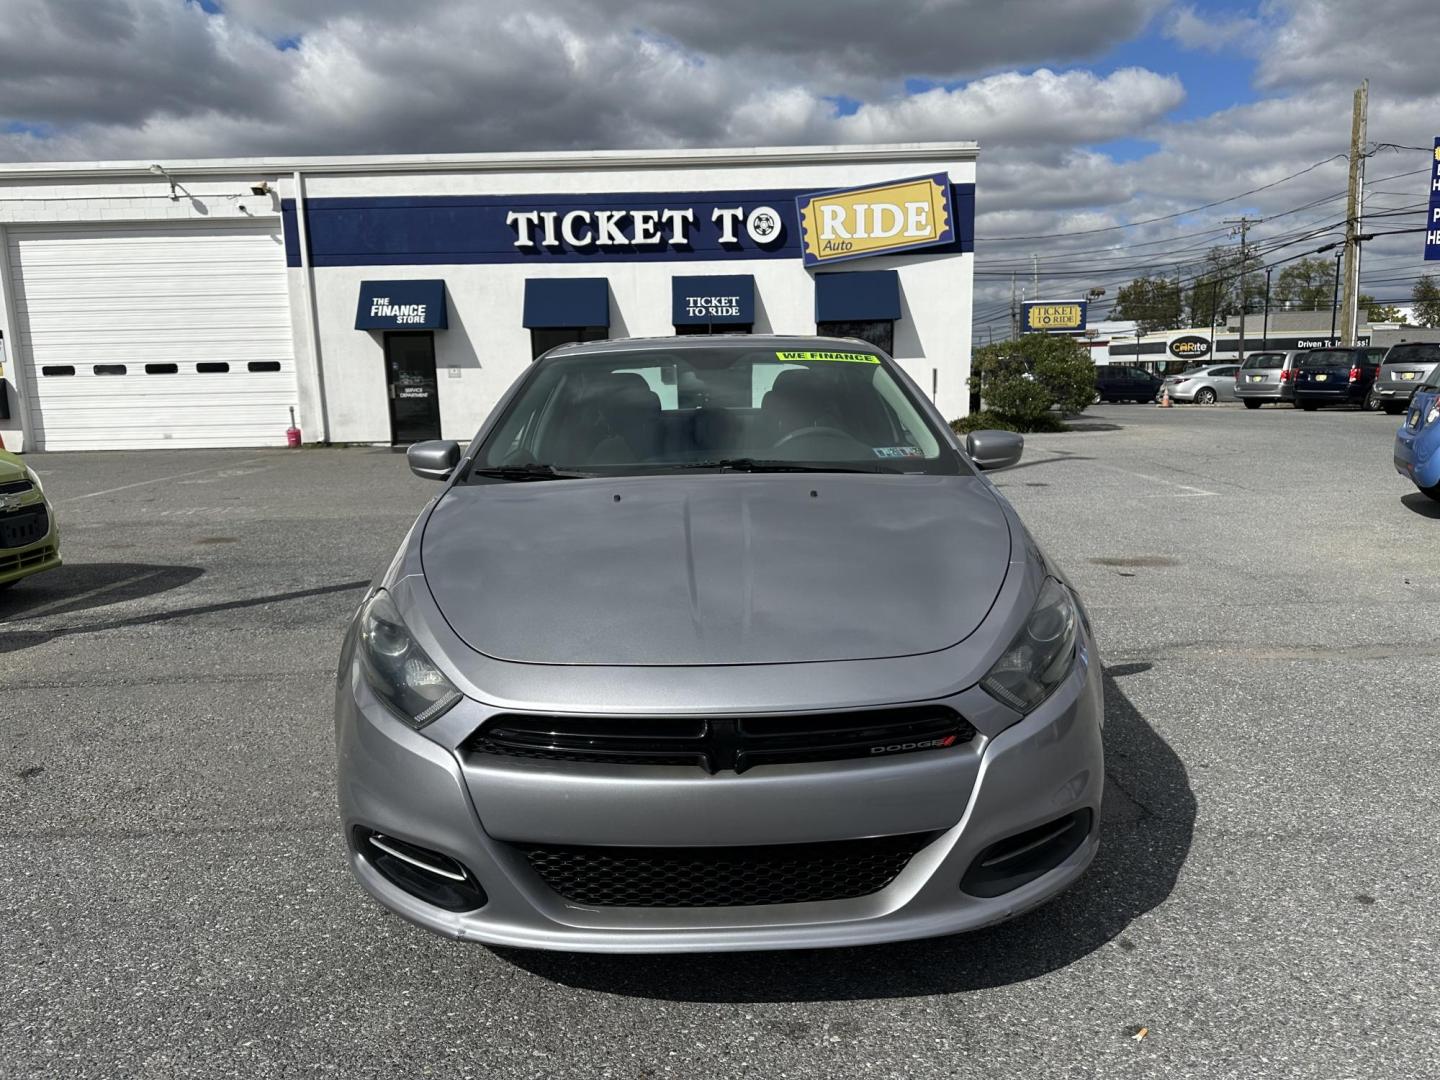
<point>193,303</point>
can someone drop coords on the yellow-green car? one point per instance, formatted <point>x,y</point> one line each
<point>29,537</point>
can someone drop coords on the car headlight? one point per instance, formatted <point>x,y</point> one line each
<point>397,669</point>
<point>1041,654</point>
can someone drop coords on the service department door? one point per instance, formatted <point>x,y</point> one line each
<point>154,335</point>
<point>410,371</point>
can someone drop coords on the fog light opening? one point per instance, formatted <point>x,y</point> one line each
<point>427,875</point>
<point>1020,859</point>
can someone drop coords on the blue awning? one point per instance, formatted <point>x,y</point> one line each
<point>713,300</point>
<point>862,295</point>
<point>401,305</point>
<point>566,302</point>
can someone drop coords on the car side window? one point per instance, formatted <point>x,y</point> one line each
<point>1225,372</point>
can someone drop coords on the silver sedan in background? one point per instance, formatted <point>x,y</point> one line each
<point>1203,385</point>
<point>718,643</point>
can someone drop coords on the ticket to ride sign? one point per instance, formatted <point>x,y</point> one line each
<point>876,220</point>
<point>1037,317</point>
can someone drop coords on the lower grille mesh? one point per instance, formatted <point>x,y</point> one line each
<point>726,876</point>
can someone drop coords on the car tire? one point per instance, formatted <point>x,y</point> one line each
<point>1392,408</point>
<point>1205,396</point>
<point>1433,492</point>
<point>1370,404</point>
<point>1252,403</point>
<point>1308,406</point>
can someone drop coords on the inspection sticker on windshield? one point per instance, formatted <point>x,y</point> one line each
<point>848,357</point>
<point>897,451</point>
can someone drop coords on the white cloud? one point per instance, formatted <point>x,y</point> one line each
<point>1189,29</point>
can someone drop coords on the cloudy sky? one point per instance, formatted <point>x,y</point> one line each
<point>1094,116</point>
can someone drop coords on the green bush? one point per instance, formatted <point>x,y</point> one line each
<point>988,419</point>
<point>1022,382</point>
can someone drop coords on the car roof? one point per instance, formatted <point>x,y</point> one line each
<point>786,342</point>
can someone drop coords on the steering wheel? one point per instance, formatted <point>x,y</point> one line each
<point>818,431</point>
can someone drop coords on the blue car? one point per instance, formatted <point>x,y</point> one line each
<point>1417,443</point>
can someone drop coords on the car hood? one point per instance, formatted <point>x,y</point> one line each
<point>716,568</point>
<point>11,467</point>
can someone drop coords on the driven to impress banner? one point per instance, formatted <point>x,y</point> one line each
<point>876,220</point>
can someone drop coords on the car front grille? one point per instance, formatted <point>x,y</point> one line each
<point>715,745</point>
<point>16,487</point>
<point>723,876</point>
<point>25,526</point>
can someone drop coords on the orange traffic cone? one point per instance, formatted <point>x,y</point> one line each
<point>1165,402</point>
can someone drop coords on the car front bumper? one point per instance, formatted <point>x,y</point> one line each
<point>400,783</point>
<point>35,557</point>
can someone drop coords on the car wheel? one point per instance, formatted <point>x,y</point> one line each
<point>1433,492</point>
<point>1370,404</point>
<point>1252,403</point>
<point>1098,398</point>
<point>1205,396</point>
<point>1392,408</point>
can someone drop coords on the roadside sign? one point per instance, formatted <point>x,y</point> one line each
<point>1432,218</point>
<point>1064,316</point>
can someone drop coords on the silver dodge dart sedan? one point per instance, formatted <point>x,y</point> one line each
<point>717,643</point>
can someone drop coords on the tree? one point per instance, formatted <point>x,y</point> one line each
<point>1154,304</point>
<point>1216,292</point>
<point>1022,380</point>
<point>1307,285</point>
<point>1426,298</point>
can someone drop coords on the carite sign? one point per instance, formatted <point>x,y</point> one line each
<point>876,220</point>
<point>1039,318</point>
<point>1190,347</point>
<point>1432,220</point>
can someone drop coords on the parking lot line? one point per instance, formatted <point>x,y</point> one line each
<point>157,480</point>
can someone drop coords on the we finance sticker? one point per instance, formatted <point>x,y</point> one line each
<point>843,357</point>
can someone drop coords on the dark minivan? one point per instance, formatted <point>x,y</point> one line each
<point>1120,382</point>
<point>1335,376</point>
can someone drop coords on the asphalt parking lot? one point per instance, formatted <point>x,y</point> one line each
<point>1266,591</point>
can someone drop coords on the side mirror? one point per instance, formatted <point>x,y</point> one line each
<point>434,460</point>
<point>994,449</point>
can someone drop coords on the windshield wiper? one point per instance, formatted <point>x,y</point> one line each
<point>532,471</point>
<point>760,465</point>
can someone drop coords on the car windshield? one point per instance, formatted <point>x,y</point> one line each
<point>1325,358</point>
<point>713,407</point>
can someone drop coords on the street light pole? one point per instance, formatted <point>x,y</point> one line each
<point>1265,332</point>
<point>1335,302</point>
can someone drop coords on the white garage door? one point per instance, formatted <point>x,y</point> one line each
<point>155,335</point>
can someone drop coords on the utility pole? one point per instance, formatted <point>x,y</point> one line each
<point>1353,209</point>
<point>1014,310</point>
<point>1035,272</point>
<point>1242,226</point>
